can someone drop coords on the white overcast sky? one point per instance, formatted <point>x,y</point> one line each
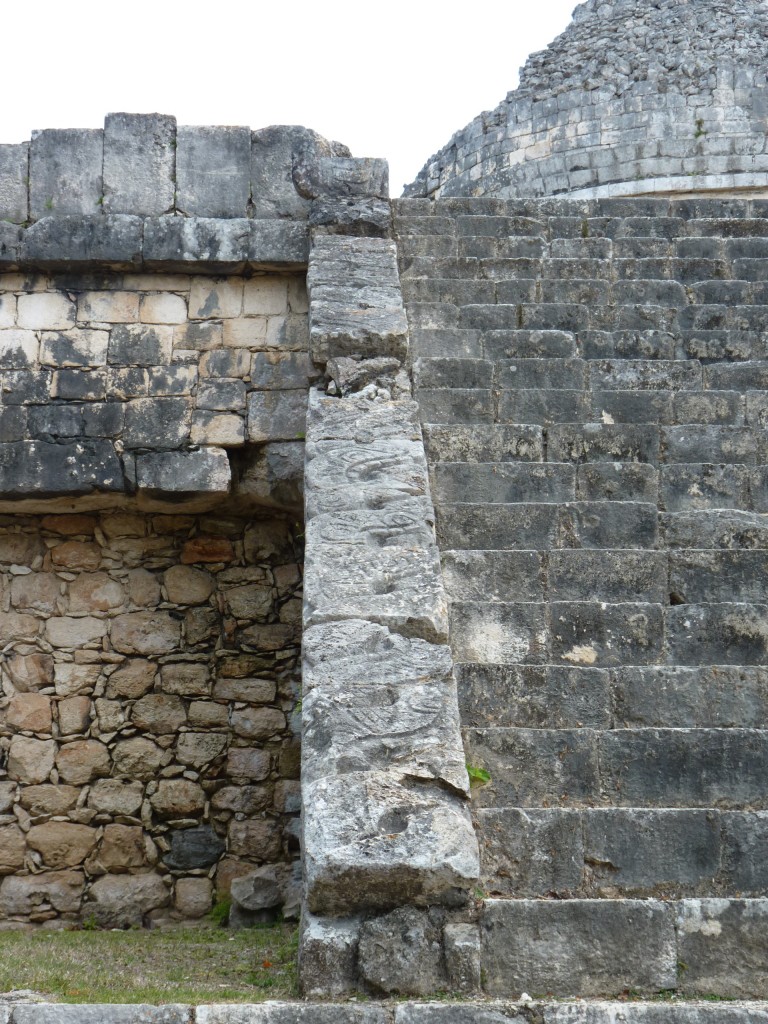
<point>395,78</point>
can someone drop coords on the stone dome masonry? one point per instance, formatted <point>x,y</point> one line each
<point>636,97</point>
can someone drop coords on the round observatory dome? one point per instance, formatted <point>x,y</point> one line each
<point>635,97</point>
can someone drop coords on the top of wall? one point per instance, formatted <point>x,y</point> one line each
<point>144,192</point>
<point>635,97</point>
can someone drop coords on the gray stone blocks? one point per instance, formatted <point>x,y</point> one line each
<point>356,307</point>
<point>213,171</point>
<point>139,164</point>
<point>65,173</point>
<point>14,171</point>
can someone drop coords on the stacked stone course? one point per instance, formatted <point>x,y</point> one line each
<point>591,381</point>
<point>634,97</point>
<point>148,749</point>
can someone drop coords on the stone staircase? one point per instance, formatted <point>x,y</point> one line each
<point>592,381</point>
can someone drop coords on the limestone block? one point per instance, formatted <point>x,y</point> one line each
<point>265,296</point>
<point>272,160</point>
<point>132,679</point>
<point>222,395</point>
<point>14,170</point>
<point>18,349</point>
<point>193,896</point>
<point>138,163</point>
<point>30,761</point>
<point>81,761</point>
<point>87,240</point>
<point>75,347</point>
<point>348,475</point>
<point>344,178</point>
<point>328,954</point>
<point>49,799</point>
<point>369,218</point>
<point>116,796</point>
<point>291,1013</point>
<point>377,700</point>
<point>259,724</point>
<point>356,307</point>
<point>157,423</point>
<point>281,371</point>
<point>213,174</point>
<point>199,748</point>
<point>461,946</point>
<point>62,844</point>
<point>361,419</point>
<point>205,471</point>
<point>30,712</point>
<point>137,758</point>
<point>276,415</point>
<point>376,842</point>
<point>14,627</point>
<point>277,244</point>
<point>65,172</point>
<point>578,947</point>
<point>402,952</point>
<point>377,565</point>
<point>40,591</point>
<point>722,942</point>
<point>272,474</point>
<point>23,894</point>
<point>29,468</point>
<point>178,798</point>
<point>176,242</point>
<point>12,849</point>
<point>162,308</point>
<point>217,429</point>
<point>145,633</point>
<point>159,713</point>
<point>45,311</point>
<point>10,245</point>
<point>185,678</point>
<point>143,588</point>
<point>68,632</point>
<point>250,691</point>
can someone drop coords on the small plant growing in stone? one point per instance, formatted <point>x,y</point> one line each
<point>477,776</point>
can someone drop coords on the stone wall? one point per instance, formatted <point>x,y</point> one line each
<point>149,661</point>
<point>634,97</point>
<point>119,383</point>
<point>147,751</point>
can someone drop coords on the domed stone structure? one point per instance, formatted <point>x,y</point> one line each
<point>635,97</point>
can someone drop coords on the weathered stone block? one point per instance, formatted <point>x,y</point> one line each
<point>723,946</point>
<point>356,307</point>
<point>203,471</point>
<point>213,173</point>
<point>139,163</point>
<point>62,890</point>
<point>577,947</point>
<point>276,415</point>
<point>375,700</point>
<point>35,468</point>
<point>348,475</point>
<point>402,952</point>
<point>382,566</point>
<point>376,842</point>
<point>14,170</point>
<point>328,954</point>
<point>65,172</point>
<point>177,242</point>
<point>361,420</point>
<point>85,239</point>
<point>533,852</point>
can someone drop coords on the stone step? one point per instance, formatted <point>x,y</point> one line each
<point>483,443</point>
<point>712,948</point>
<point>575,696</point>
<point>651,768</point>
<point>503,482</point>
<point>621,852</point>
<point>540,526</point>
<point>675,1010</point>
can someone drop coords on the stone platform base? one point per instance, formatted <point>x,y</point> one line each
<point>530,1012</point>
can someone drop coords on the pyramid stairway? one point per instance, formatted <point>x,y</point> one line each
<point>593,385</point>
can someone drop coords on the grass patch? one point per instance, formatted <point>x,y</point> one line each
<point>177,965</point>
